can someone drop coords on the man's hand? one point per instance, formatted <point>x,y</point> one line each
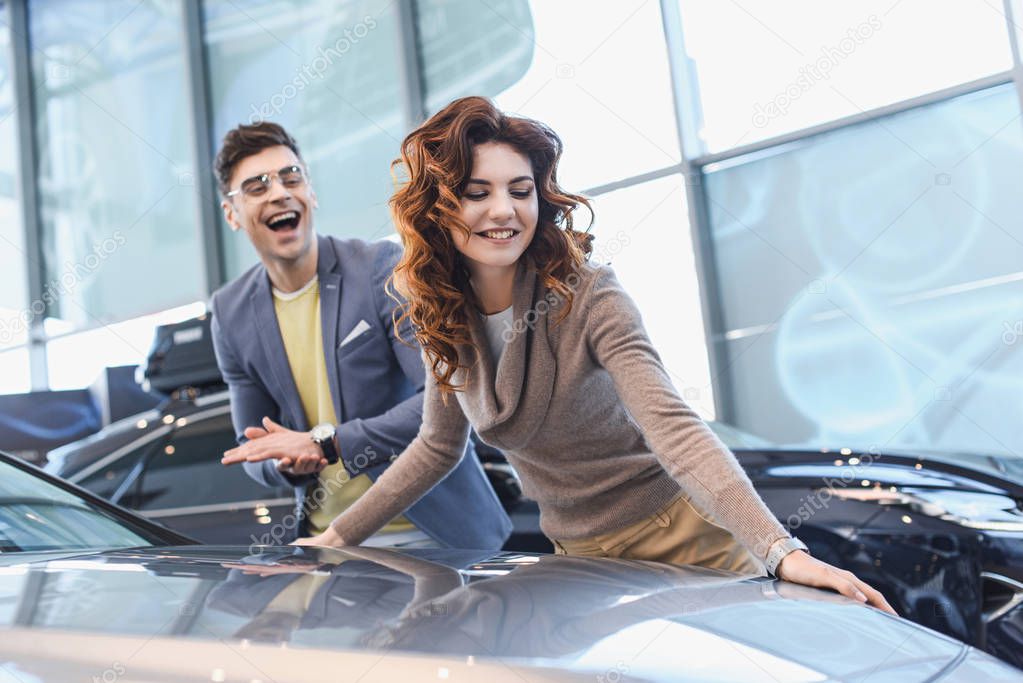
<point>328,539</point>
<point>295,452</point>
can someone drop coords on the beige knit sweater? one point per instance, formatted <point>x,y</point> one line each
<point>586,414</point>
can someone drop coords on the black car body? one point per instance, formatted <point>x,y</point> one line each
<point>125,600</point>
<point>940,535</point>
<point>165,464</point>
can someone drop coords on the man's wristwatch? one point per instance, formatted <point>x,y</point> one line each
<point>779,550</point>
<point>323,435</point>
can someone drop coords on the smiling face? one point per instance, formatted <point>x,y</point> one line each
<point>499,205</point>
<point>280,222</point>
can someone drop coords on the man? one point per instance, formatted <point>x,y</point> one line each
<point>306,342</point>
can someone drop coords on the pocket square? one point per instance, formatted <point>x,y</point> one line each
<point>359,328</point>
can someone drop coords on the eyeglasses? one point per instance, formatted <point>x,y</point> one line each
<point>291,177</point>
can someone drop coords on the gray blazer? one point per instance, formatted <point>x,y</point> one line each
<point>376,382</point>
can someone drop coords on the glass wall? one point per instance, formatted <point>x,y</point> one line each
<point>116,187</point>
<point>615,126</point>
<point>770,68</point>
<point>328,72</point>
<point>642,231</point>
<point>74,360</point>
<point>119,194</point>
<point>582,83</point>
<point>871,282</point>
<point>15,376</point>
<point>15,314</point>
<point>863,275</point>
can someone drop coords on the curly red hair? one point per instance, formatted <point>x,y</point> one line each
<point>436,159</point>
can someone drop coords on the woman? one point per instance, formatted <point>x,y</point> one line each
<point>546,357</point>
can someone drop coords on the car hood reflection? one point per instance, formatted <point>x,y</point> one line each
<point>614,618</point>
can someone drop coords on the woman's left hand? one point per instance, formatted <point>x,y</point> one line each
<point>328,539</point>
<point>799,567</point>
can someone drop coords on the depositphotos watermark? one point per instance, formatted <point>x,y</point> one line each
<point>1012,332</point>
<point>74,274</point>
<point>615,674</point>
<point>614,245</point>
<point>276,534</point>
<point>312,71</point>
<point>819,70</point>
<point>550,301</point>
<point>611,247</point>
<point>111,674</point>
<point>819,499</point>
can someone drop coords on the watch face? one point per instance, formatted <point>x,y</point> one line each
<point>322,432</point>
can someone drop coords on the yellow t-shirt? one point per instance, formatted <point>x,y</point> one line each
<point>298,313</point>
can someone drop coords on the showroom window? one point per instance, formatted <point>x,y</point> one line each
<point>15,377</point>
<point>76,359</point>
<point>642,232</point>
<point>889,237</point>
<point>328,72</point>
<point>617,130</point>
<point>765,69</point>
<point>870,280</point>
<point>15,314</point>
<point>613,124</point>
<point>118,198</point>
<point>331,72</point>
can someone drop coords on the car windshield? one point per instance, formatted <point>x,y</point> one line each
<point>37,516</point>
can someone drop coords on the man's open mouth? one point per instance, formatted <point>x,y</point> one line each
<point>498,235</point>
<point>285,220</point>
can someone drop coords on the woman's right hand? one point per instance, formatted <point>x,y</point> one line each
<point>799,567</point>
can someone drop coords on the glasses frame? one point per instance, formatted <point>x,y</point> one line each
<point>267,179</point>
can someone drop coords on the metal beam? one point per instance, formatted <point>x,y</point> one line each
<point>28,190</point>
<point>207,205</point>
<point>633,180</point>
<point>775,143</point>
<point>1014,14</point>
<point>687,117</point>
<point>410,65</point>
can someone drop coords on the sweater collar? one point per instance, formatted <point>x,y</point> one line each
<point>508,403</point>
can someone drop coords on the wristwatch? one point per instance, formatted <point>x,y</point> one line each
<point>323,435</point>
<point>778,551</point>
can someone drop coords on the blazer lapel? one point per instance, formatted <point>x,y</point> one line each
<point>329,274</point>
<point>273,346</point>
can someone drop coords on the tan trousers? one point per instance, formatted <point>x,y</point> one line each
<point>678,533</point>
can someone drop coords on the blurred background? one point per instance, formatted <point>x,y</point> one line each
<point>815,204</point>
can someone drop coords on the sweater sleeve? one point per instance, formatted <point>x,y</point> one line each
<point>435,451</point>
<point>684,445</point>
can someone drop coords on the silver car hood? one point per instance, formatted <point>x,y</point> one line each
<point>293,613</point>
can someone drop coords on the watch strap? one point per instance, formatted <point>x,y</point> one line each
<point>329,447</point>
<point>780,550</point>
